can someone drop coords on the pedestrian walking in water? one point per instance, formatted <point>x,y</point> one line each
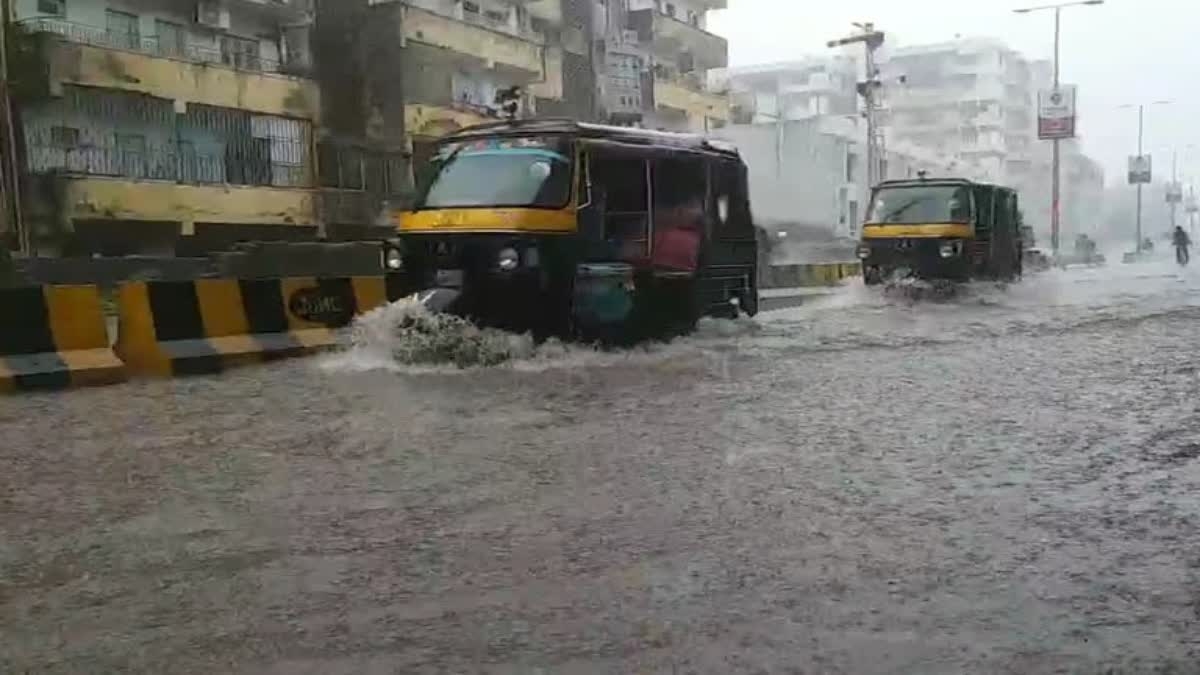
<point>1182,245</point>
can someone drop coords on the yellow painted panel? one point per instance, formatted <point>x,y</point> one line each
<point>487,220</point>
<point>8,383</point>
<point>436,121</point>
<point>76,317</point>
<point>929,230</point>
<point>93,367</point>
<point>237,351</point>
<point>369,293</point>
<point>114,199</point>
<point>465,38</point>
<point>221,308</point>
<point>313,339</point>
<point>207,83</point>
<point>137,342</point>
<point>552,86</point>
<point>704,104</point>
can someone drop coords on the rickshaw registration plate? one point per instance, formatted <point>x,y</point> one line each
<point>448,278</point>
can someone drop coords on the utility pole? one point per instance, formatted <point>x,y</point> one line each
<point>10,175</point>
<point>1141,131</point>
<point>872,39</point>
<point>1174,178</point>
<point>1056,158</point>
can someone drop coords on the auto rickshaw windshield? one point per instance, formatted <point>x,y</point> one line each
<point>915,204</point>
<point>532,172</point>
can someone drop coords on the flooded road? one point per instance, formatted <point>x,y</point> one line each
<point>1003,482</point>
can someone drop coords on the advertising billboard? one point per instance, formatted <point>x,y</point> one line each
<point>1056,112</point>
<point>1174,193</point>
<point>1140,170</point>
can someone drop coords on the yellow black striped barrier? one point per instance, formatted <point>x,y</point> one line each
<point>818,274</point>
<point>54,337</point>
<point>210,325</point>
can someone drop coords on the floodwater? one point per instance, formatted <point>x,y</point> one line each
<point>1006,481</point>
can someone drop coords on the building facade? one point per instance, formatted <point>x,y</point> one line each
<point>148,126</point>
<point>976,100</point>
<point>808,173</point>
<point>794,90</point>
<point>160,126</point>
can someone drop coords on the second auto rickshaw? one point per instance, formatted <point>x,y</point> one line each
<point>949,228</point>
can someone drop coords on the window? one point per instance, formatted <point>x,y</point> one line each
<point>921,204</point>
<point>122,29</point>
<point>53,7</point>
<point>172,39</point>
<point>527,172</point>
<point>64,138</point>
<point>131,155</point>
<point>620,196</point>
<point>732,201</point>
<point>240,53</point>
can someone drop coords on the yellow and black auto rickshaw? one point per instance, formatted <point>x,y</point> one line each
<point>952,229</point>
<point>578,230</point>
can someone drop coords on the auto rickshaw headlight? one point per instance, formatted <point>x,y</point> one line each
<point>508,260</point>
<point>863,252</point>
<point>393,259</point>
<point>949,249</point>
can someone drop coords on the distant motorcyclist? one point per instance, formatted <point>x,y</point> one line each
<point>1182,245</point>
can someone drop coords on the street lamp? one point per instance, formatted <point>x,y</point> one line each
<point>1056,181</point>
<point>1141,108</point>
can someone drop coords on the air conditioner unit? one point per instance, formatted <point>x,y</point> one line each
<point>212,14</point>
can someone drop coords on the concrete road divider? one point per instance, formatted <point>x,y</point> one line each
<point>210,325</point>
<point>54,337</point>
<point>819,274</point>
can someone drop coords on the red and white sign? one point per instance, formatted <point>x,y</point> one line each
<point>1056,112</point>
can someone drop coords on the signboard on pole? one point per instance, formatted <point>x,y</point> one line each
<point>1174,193</point>
<point>1056,112</point>
<point>1140,170</point>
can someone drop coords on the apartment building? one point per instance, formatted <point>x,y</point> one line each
<point>152,126</point>
<point>675,32</point>
<point>976,100</point>
<point>793,90</point>
<point>972,99</point>
<point>808,172</point>
<point>159,126</point>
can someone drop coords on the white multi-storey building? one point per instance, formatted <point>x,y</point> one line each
<point>976,101</point>
<point>794,90</point>
<point>973,99</point>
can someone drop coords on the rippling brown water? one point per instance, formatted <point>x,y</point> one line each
<point>1004,481</point>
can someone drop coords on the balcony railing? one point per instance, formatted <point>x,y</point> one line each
<point>153,46</point>
<point>480,19</point>
<point>177,162</point>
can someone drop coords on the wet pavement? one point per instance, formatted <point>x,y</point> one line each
<point>1007,481</point>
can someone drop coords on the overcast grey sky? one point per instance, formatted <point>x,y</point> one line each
<point>1125,51</point>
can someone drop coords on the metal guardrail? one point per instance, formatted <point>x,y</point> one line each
<point>150,45</point>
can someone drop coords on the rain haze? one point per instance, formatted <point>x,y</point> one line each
<point>1120,53</point>
<point>541,337</point>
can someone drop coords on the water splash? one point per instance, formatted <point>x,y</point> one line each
<point>405,337</point>
<point>404,334</point>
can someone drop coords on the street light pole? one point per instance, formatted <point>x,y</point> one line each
<point>1141,130</point>
<point>1141,133</point>
<point>1056,157</point>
